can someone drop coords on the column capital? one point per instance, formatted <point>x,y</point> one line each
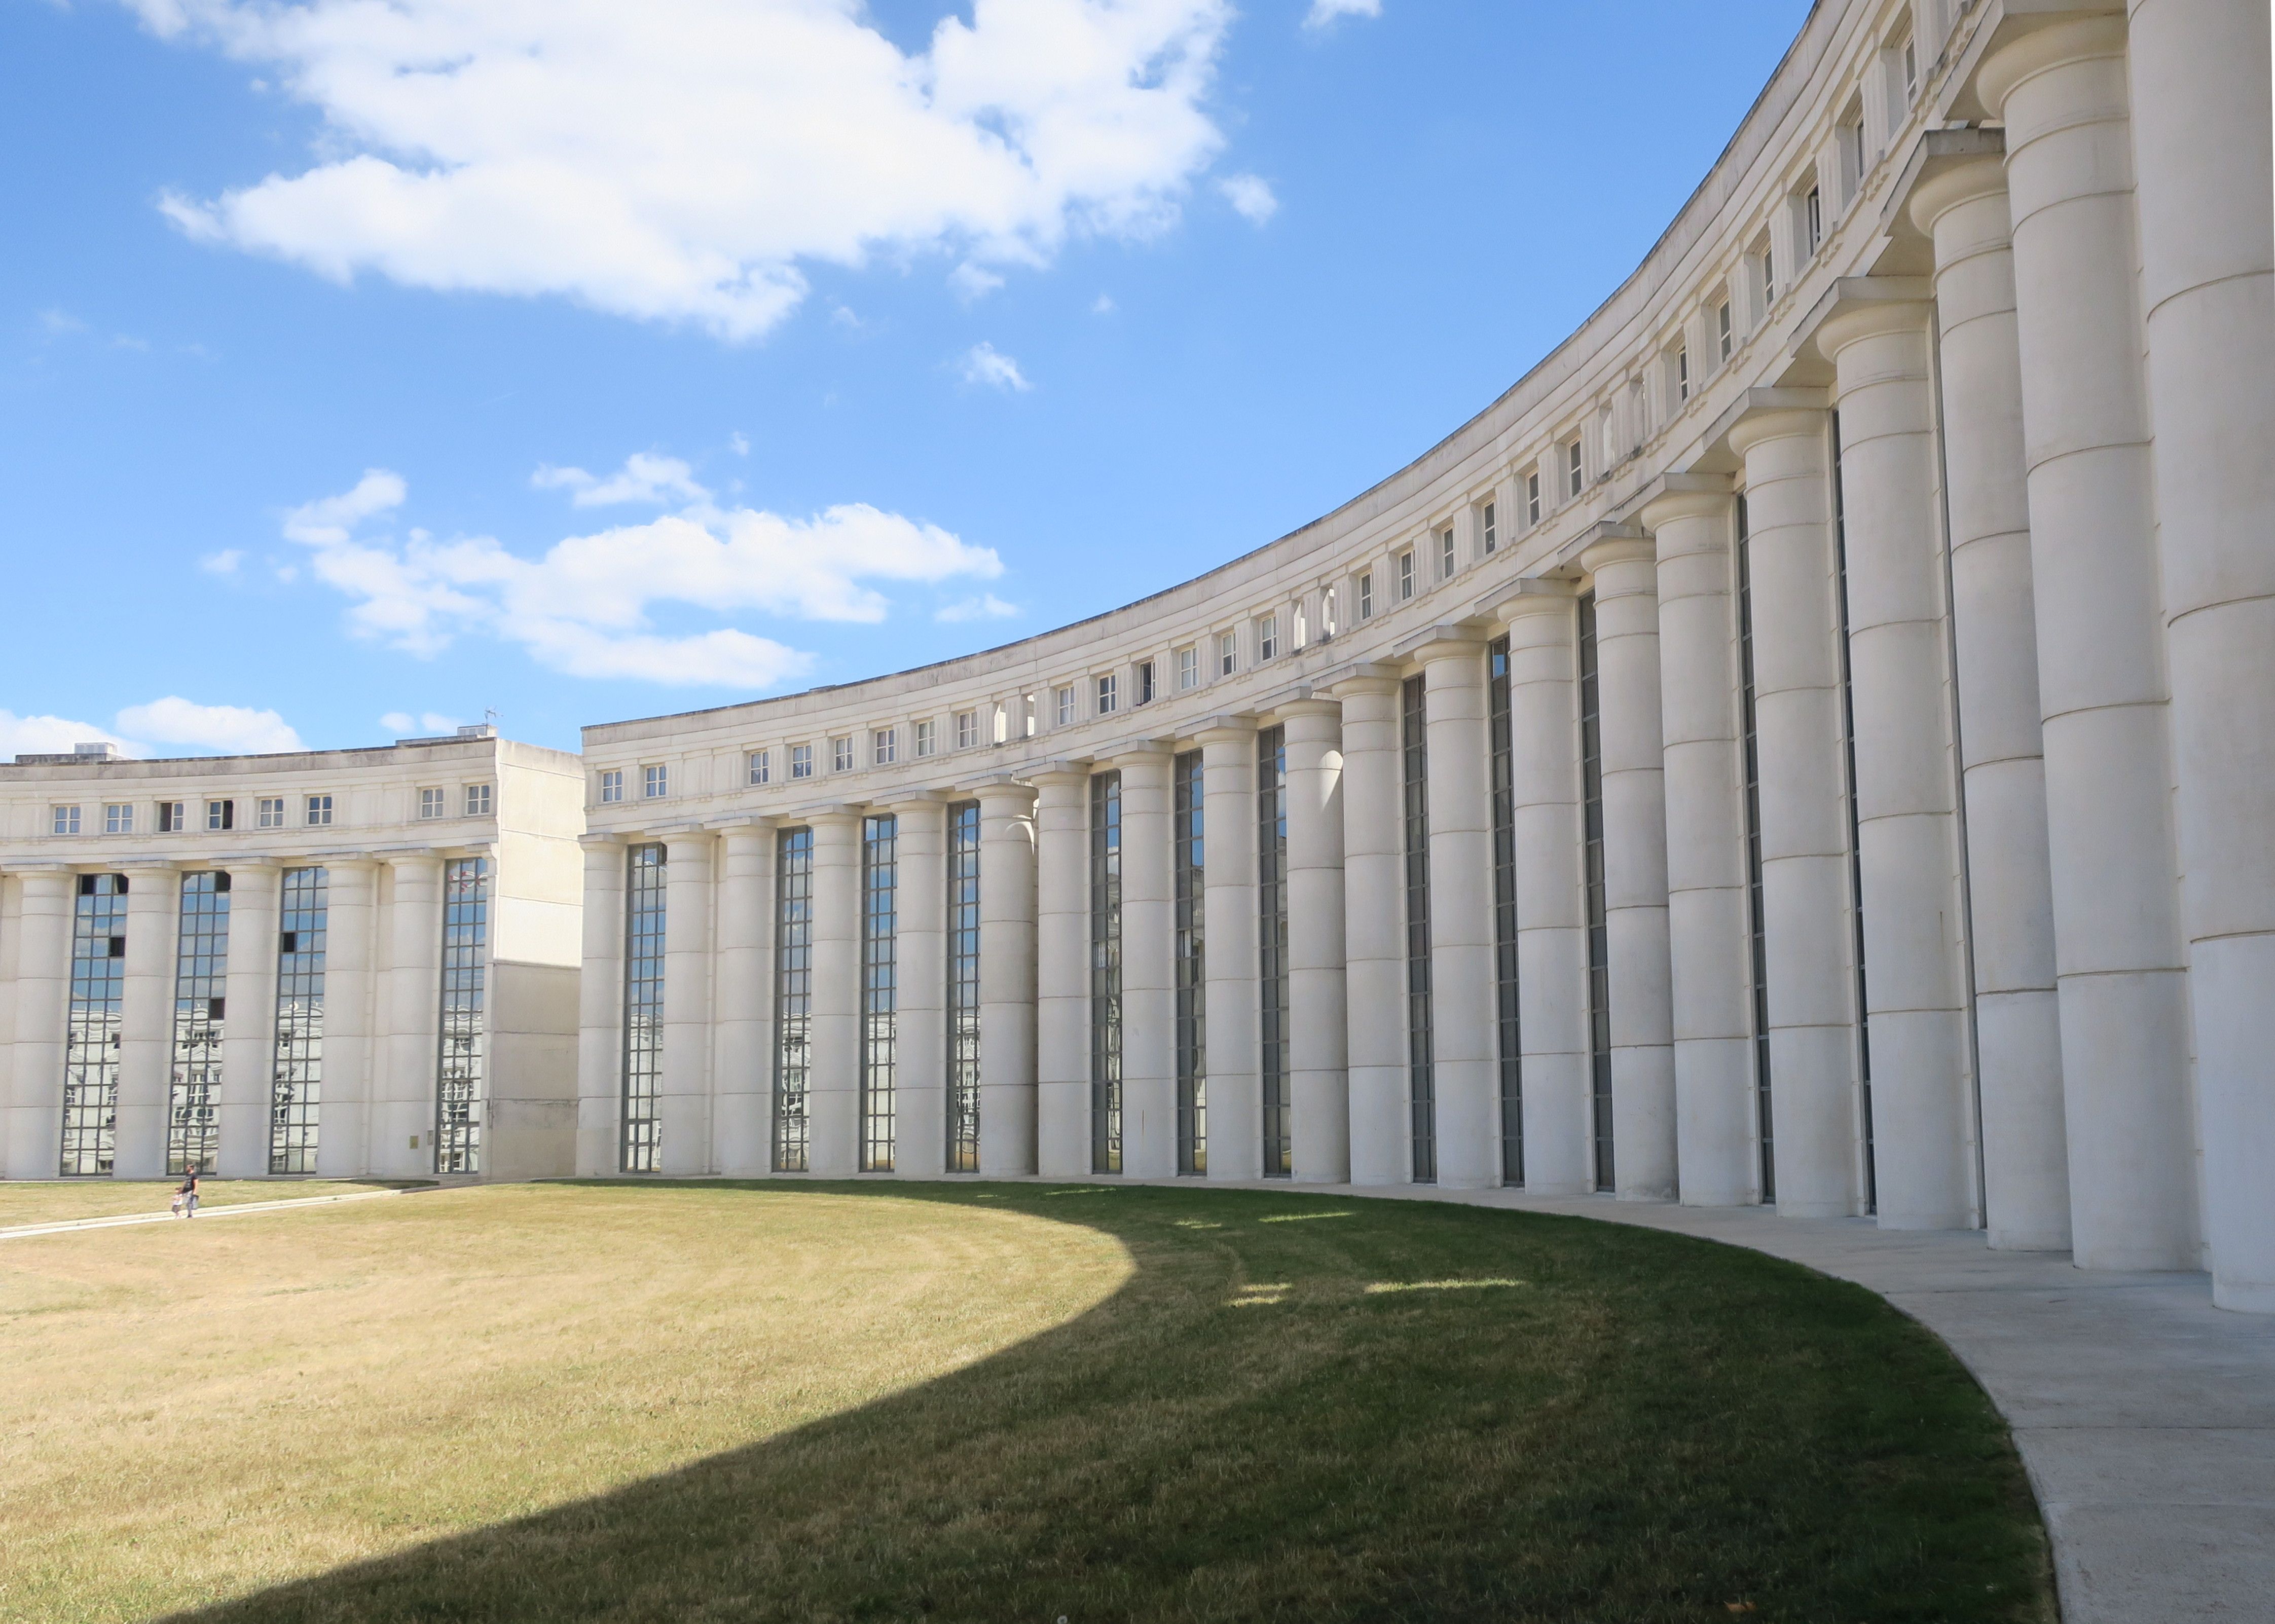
<point>1946,167</point>
<point>1227,730</point>
<point>743,823</point>
<point>1449,640</point>
<point>594,841</point>
<point>2074,36</point>
<point>1139,752</point>
<point>837,814</point>
<point>1770,415</point>
<point>1307,705</point>
<point>905,801</point>
<point>1607,543</point>
<point>1857,307</point>
<point>1363,676</point>
<point>1060,775</point>
<point>1533,596</point>
<point>1685,496</point>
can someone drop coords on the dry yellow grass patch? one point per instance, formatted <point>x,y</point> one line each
<point>194,1411</point>
<point>59,1200</point>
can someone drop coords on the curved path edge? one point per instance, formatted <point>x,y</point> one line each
<point>233,1209</point>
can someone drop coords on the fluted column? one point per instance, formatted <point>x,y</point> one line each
<point>1317,1015</point>
<point>920,990</point>
<point>1810,943</point>
<point>2123,987</point>
<point>343,1147</point>
<point>403,1114</point>
<point>1709,986</point>
<point>742,1072</point>
<point>1625,568</point>
<point>1463,1021</point>
<point>2200,139</point>
<point>146,1026</point>
<point>1229,910</point>
<point>683,1101</point>
<point>1906,790</point>
<point>1994,630</point>
<point>1007,979</point>
<point>1149,1057</point>
<point>1374,929</point>
<point>248,1047</point>
<point>1061,971</point>
<point>1552,936</point>
<point>42,989</point>
<point>834,1090</point>
<point>600,1010</point>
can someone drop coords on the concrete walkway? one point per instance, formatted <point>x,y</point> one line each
<point>2145,1416</point>
<point>230,1210</point>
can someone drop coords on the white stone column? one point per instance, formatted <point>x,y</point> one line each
<point>1149,1056</point>
<point>920,990</point>
<point>1625,581</point>
<point>1318,1018</point>
<point>1229,818</point>
<point>683,1100</point>
<point>146,1024</point>
<point>1710,987</point>
<point>1463,1025</point>
<point>248,1045</point>
<point>1810,943</point>
<point>41,988</point>
<point>1994,631</point>
<point>11,922</point>
<point>2200,141</point>
<point>343,1146</point>
<point>1552,925</point>
<point>1907,789</point>
<point>600,1011</point>
<point>1007,979</point>
<point>1374,928</point>
<point>403,1114</point>
<point>742,1074</point>
<point>2123,987</point>
<point>1061,971</point>
<point>834,1089</point>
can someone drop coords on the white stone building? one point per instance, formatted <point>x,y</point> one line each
<point>343,962</point>
<point>1812,741</point>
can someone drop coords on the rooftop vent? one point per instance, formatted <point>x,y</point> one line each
<point>478,729</point>
<point>104,751</point>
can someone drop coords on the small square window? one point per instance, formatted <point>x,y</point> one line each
<point>612,784</point>
<point>1406,575</point>
<point>1145,682</point>
<point>1366,594</point>
<point>801,761</point>
<point>478,800</point>
<point>1445,554</point>
<point>320,811</point>
<point>841,754</point>
<point>1188,669</point>
<point>655,781</point>
<point>64,820</point>
<point>759,766</point>
<point>967,729</point>
<point>118,818</point>
<point>1227,653</point>
<point>430,802</point>
<point>172,817</point>
<point>268,813</point>
<point>1062,704</point>
<point>927,737</point>
<point>1108,695</point>
<point>1532,498</point>
<point>884,747</point>
<point>1491,538</point>
<point>221,815</point>
<point>1267,637</point>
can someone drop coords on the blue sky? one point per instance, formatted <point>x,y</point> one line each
<point>579,361</point>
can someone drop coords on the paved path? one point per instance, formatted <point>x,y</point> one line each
<point>228,1210</point>
<point>2145,1417</point>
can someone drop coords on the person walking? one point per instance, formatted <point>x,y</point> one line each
<point>186,1199</point>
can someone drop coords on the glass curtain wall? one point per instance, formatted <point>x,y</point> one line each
<point>1599,936</point>
<point>1848,794</point>
<point>1105,972</point>
<point>297,1083</point>
<point>1421,1048</point>
<point>460,1071</point>
<point>1756,933</point>
<point>1509,1031</point>
<point>1272,949</point>
<point>644,899</point>
<point>793,995</point>
<point>98,979</point>
<point>963,987</point>
<point>1188,876</point>
<point>879,1000</point>
<point>200,981</point>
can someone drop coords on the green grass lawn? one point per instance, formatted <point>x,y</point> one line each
<point>1002,1402</point>
<point>49,1201</point>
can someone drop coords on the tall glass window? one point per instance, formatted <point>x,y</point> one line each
<point>459,1072</point>
<point>963,987</point>
<point>793,995</point>
<point>1757,935</point>
<point>98,978</point>
<point>1421,1047</point>
<point>1508,1030</point>
<point>1599,935</point>
<point>1105,972</point>
<point>1189,866</point>
<point>1855,860</point>
<point>1271,949</point>
<point>644,900</point>
<point>297,1084</point>
<point>879,998</point>
<point>200,981</point>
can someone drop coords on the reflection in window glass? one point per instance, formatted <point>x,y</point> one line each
<point>1272,945</point>
<point>880,1004</point>
<point>644,921</point>
<point>1421,1045</point>
<point>1500,733</point>
<point>297,1083</point>
<point>1105,972</point>
<point>459,1074</point>
<point>1599,965</point>
<point>793,995</point>
<point>963,987</point>
<point>200,981</point>
<point>1188,881</point>
<point>98,978</point>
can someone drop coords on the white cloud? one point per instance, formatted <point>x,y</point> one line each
<point>1103,305</point>
<point>987,605</point>
<point>1324,12</point>
<point>738,443</point>
<point>224,563</point>
<point>56,322</point>
<point>1250,196</point>
<point>327,520</point>
<point>583,607</point>
<point>45,736</point>
<point>972,281</point>
<point>985,364</point>
<point>643,478</point>
<point>402,724</point>
<point>682,160</point>
<point>232,728</point>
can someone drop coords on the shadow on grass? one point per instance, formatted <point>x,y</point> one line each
<point>1555,1419</point>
